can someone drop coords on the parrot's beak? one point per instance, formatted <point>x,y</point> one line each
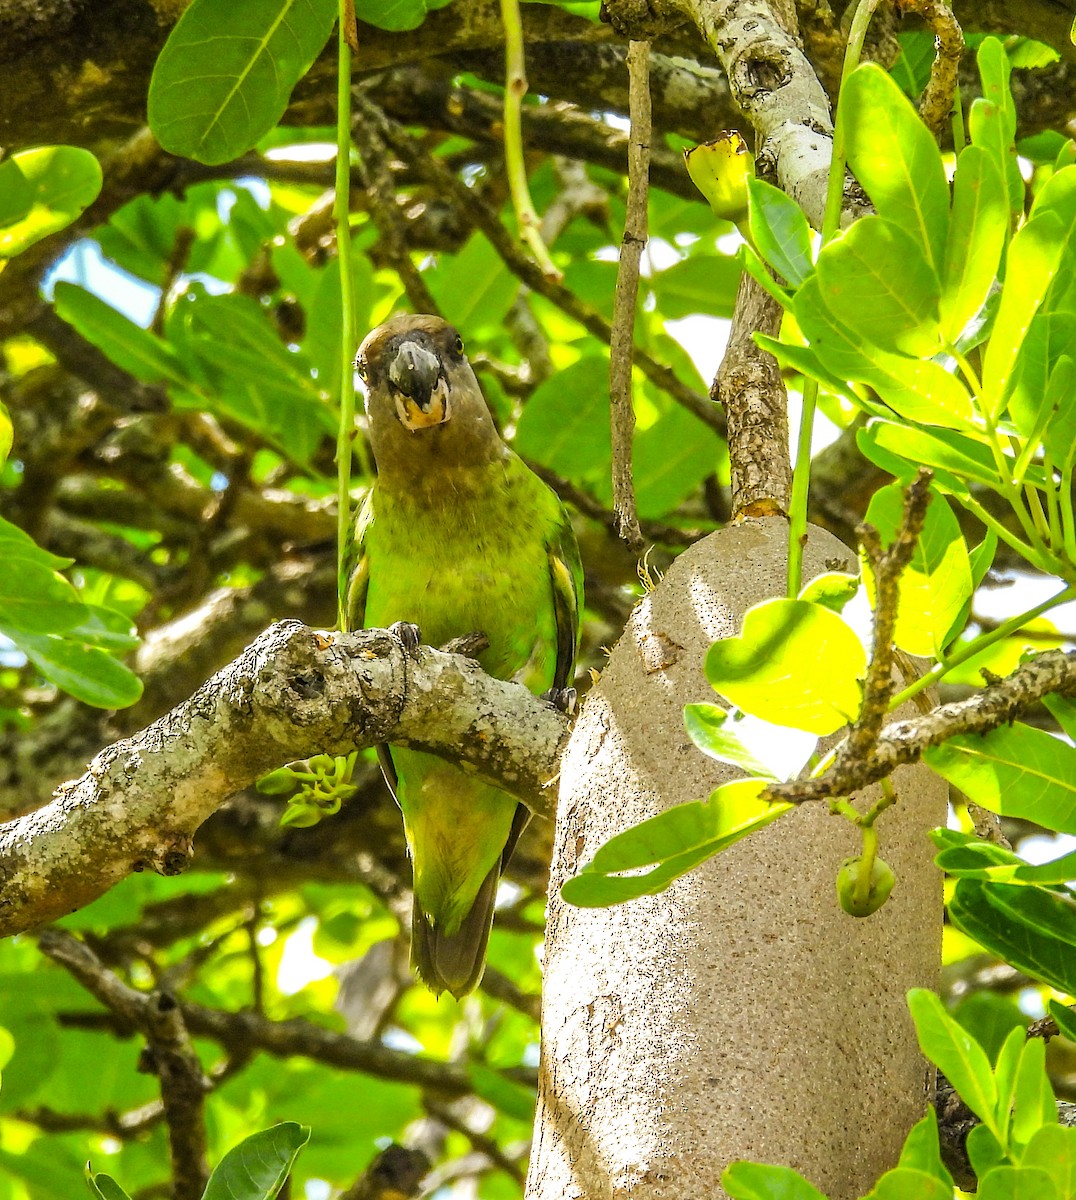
<point>419,386</point>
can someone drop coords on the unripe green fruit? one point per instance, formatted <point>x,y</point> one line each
<point>856,901</point>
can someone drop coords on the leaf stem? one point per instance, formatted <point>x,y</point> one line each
<point>345,439</point>
<point>801,486</point>
<point>515,88</point>
<point>831,221</point>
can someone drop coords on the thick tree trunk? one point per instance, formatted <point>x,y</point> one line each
<point>741,1014</point>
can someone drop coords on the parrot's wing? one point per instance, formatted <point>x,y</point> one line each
<point>388,769</point>
<point>356,567</point>
<point>566,577</point>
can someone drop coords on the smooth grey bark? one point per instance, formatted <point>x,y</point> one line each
<point>740,1014</point>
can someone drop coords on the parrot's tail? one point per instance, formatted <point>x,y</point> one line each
<point>454,962</point>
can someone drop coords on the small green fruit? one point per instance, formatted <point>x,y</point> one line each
<point>859,896</point>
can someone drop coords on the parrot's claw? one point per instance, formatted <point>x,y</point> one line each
<point>566,699</point>
<point>470,645</point>
<point>408,635</point>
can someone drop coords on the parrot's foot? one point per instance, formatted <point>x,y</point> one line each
<point>409,636</point>
<point>470,645</point>
<point>566,699</point>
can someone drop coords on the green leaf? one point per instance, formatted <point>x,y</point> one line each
<point>922,1149</point>
<point>877,281</point>
<point>707,726</point>
<point>990,1018</point>
<point>397,16</point>
<point>1063,710</point>
<point>981,558</point>
<point>565,425</point>
<point>895,158</point>
<point>1059,436</point>
<point>1033,261</point>
<point>758,1181</point>
<point>321,345</point>
<point>225,75</point>
<point>936,585</point>
<point>703,283</point>
<point>771,668</point>
<point>956,1053</point>
<point>904,1183</point>
<point>105,1187</point>
<point>1031,928</point>
<point>1034,1102</point>
<point>257,1167</point>
<point>760,273</point>
<point>105,627</point>
<point>967,857</point>
<point>129,346</point>
<point>921,390</point>
<point>88,673</point>
<point>671,458</point>
<point>833,590</point>
<point>16,194</point>
<point>978,230</point>
<point>34,599</point>
<point>1014,770</point>
<point>49,187</point>
<point>992,119</point>
<point>953,458</point>
<point>1065,1018</point>
<point>984,1150</point>
<point>473,288</point>
<point>252,376</point>
<point>780,231</point>
<point>503,1094</point>
<point>1017,1183</point>
<point>7,434</point>
<point>1053,1149</point>
<point>671,844</point>
<point>1005,1070</point>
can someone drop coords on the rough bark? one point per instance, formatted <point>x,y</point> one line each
<point>742,1015</point>
<point>294,692</point>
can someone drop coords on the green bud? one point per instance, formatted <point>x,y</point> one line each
<point>300,816</point>
<point>858,896</point>
<point>277,782</point>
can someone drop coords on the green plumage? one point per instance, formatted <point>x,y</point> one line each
<point>457,536</point>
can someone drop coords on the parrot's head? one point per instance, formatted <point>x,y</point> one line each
<point>423,402</point>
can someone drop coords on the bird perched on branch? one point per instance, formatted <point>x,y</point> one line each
<point>457,536</point>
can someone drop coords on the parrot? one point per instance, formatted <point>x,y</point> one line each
<point>456,536</point>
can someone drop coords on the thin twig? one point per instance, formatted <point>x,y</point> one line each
<point>437,174</point>
<point>381,198</point>
<point>483,1144</point>
<point>580,499</point>
<point>936,103</point>
<point>173,268</point>
<point>621,409</point>
<point>169,1054</point>
<point>887,566</point>
<point>904,742</point>
<point>515,88</point>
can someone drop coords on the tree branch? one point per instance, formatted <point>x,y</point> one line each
<point>293,692</point>
<point>904,742</point>
<point>169,1055</point>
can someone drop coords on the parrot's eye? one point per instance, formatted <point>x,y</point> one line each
<point>360,368</point>
<point>459,344</point>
